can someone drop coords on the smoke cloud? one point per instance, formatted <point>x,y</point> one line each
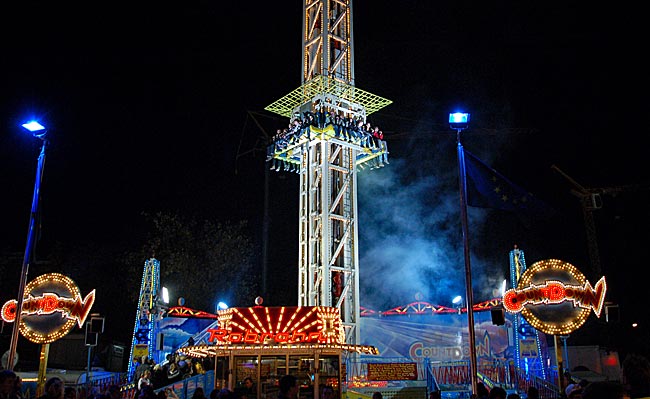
<point>410,234</point>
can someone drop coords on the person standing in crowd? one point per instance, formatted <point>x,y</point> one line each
<point>54,389</point>
<point>603,390</point>
<point>326,392</point>
<point>114,392</point>
<point>636,376</point>
<point>248,391</point>
<point>145,380</point>
<point>199,393</point>
<point>532,393</point>
<point>166,393</point>
<point>7,383</point>
<point>140,368</point>
<point>158,377</point>
<point>573,391</point>
<point>18,388</point>
<point>147,392</point>
<point>497,393</point>
<point>482,391</point>
<point>288,387</point>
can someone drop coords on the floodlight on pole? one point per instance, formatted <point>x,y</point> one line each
<point>458,301</point>
<point>165,295</point>
<point>459,121</point>
<point>39,131</point>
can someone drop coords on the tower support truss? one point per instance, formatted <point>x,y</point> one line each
<point>328,160</point>
<point>528,351</point>
<point>143,342</point>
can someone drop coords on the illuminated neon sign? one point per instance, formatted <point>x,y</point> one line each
<point>553,292</point>
<point>48,303</point>
<point>251,337</point>
<point>51,307</point>
<point>286,324</point>
<point>554,297</point>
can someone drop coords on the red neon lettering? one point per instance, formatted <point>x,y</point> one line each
<point>48,303</point>
<point>554,292</point>
<point>217,335</point>
<point>250,337</point>
<point>510,301</point>
<point>80,309</point>
<point>282,337</point>
<point>298,336</point>
<point>9,311</point>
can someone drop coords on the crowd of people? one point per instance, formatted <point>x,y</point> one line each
<point>634,384</point>
<point>352,130</point>
<point>157,375</point>
<point>54,388</point>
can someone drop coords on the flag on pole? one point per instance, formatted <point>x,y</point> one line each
<point>487,188</point>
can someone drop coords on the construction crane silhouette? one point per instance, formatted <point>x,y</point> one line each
<point>591,200</point>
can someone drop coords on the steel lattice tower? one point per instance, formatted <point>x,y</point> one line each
<point>328,253</point>
<point>143,330</point>
<point>524,334</point>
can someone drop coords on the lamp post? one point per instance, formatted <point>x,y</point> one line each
<point>221,305</point>
<point>37,130</point>
<point>459,121</point>
<point>458,301</point>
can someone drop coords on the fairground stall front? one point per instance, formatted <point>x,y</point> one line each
<point>265,343</point>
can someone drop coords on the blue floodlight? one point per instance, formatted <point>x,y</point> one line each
<point>33,126</point>
<point>222,306</point>
<point>36,129</point>
<point>457,299</point>
<point>458,120</point>
<point>165,295</point>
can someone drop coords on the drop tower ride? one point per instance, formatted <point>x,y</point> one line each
<point>328,161</point>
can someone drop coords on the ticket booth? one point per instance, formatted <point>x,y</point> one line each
<point>266,343</point>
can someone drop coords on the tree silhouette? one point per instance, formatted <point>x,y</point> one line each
<point>202,261</point>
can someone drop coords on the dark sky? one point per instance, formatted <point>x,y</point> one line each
<point>150,106</point>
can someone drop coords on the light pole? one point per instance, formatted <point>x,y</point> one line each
<point>459,121</point>
<point>37,130</point>
<point>458,301</point>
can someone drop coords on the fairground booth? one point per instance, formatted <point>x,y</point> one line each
<point>265,343</point>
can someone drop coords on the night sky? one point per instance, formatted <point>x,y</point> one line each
<point>154,108</point>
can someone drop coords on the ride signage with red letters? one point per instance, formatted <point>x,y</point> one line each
<point>555,297</point>
<point>51,307</point>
